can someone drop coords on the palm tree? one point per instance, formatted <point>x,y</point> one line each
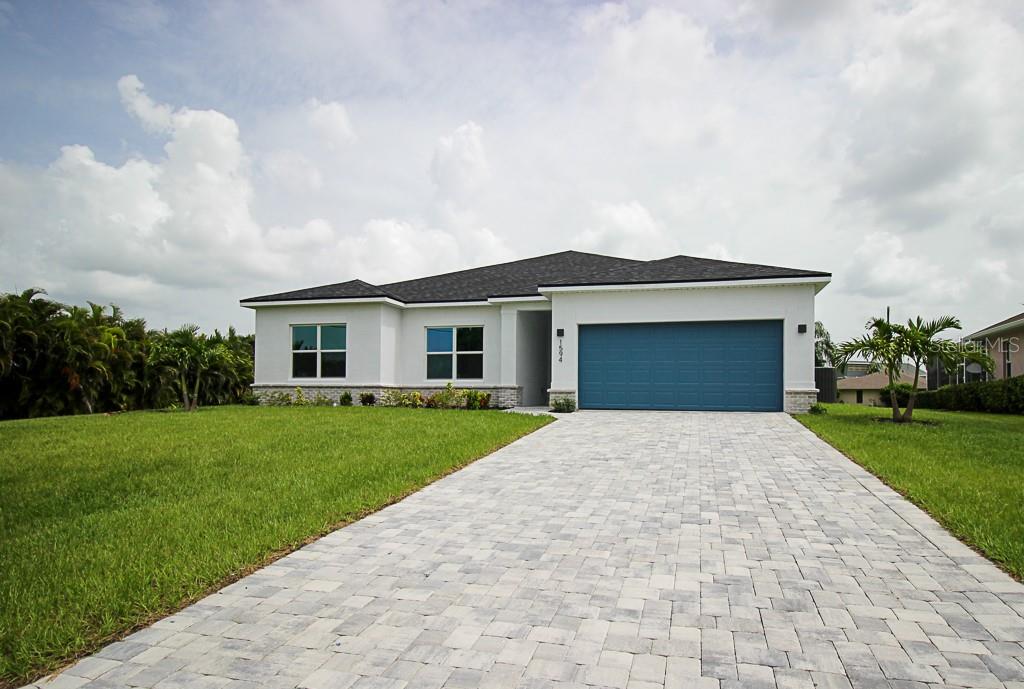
<point>888,346</point>
<point>825,353</point>
<point>188,357</point>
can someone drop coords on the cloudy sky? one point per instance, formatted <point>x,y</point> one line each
<point>175,157</point>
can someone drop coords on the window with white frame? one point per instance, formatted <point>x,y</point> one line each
<point>455,353</point>
<point>319,351</point>
<point>1007,359</point>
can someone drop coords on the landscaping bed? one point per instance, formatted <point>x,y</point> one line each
<point>108,522</point>
<point>965,469</point>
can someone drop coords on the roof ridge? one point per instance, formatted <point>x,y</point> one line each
<point>506,263</point>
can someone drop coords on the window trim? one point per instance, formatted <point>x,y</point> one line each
<point>454,353</point>
<point>318,351</point>
<point>1007,359</point>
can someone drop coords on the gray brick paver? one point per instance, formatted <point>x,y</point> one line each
<point>636,550</point>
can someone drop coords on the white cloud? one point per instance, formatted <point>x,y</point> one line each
<point>292,170</point>
<point>330,121</point>
<point>625,229</point>
<point>459,167</point>
<point>882,266</point>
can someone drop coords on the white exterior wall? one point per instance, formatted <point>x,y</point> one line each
<point>390,344</point>
<point>363,364</point>
<point>412,343</point>
<point>793,304</point>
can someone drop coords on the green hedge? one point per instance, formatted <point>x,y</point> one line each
<point>997,396</point>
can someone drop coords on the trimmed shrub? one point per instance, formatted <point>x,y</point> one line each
<point>346,399</point>
<point>394,398</point>
<point>322,400</point>
<point>367,399</point>
<point>817,408</point>
<point>995,396</point>
<point>563,405</point>
<point>473,399</point>
<point>449,398</point>
<point>902,394</point>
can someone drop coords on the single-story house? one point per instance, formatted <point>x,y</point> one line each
<point>616,333</point>
<point>852,369</point>
<point>867,389</point>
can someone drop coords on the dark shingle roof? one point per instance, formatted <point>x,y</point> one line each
<point>353,289</point>
<point>514,279</point>
<point>522,278</point>
<point>686,269</point>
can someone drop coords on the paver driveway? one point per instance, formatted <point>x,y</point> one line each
<point>630,549</point>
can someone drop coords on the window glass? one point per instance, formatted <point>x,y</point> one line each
<point>471,366</point>
<point>304,337</point>
<point>439,339</point>
<point>332,365</point>
<point>470,339</point>
<point>304,365</point>
<point>439,366</point>
<point>332,337</point>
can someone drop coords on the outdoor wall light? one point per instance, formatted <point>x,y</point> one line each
<point>560,332</point>
<point>802,328</point>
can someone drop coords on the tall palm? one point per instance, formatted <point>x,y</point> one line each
<point>887,346</point>
<point>882,348</point>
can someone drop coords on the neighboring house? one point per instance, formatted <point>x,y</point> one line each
<point>867,389</point>
<point>617,333</point>
<point>854,369</point>
<point>1003,341</point>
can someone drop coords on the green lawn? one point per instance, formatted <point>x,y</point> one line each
<point>107,522</point>
<point>967,470</point>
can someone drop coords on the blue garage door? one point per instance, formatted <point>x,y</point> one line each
<point>721,366</point>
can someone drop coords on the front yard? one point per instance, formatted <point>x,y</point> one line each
<point>108,522</point>
<point>966,470</point>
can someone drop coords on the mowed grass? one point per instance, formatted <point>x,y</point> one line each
<point>967,470</point>
<point>107,522</point>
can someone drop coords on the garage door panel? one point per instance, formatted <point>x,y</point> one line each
<point>714,366</point>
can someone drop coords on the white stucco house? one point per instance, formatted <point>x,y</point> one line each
<point>675,333</point>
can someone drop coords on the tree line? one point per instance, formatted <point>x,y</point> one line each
<point>61,359</point>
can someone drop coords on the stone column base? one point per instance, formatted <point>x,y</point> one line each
<point>799,401</point>
<point>561,395</point>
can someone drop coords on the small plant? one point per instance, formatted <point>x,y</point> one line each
<point>472,399</point>
<point>563,405</point>
<point>450,398</point>
<point>321,400</point>
<point>346,399</point>
<point>300,399</point>
<point>485,400</point>
<point>817,408</point>
<point>367,399</point>
<point>249,398</point>
<point>391,398</point>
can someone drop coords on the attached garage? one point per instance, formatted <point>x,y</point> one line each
<point>714,366</point>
